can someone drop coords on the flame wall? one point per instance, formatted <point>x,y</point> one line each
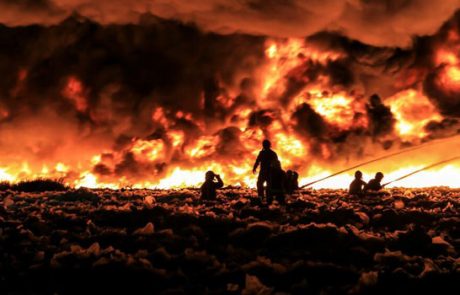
<point>156,103</point>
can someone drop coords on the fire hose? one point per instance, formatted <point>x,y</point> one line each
<point>383,158</point>
<point>423,169</point>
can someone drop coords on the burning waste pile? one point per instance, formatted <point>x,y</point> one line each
<point>104,101</point>
<point>160,241</point>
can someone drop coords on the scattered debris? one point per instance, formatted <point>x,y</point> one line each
<point>149,241</point>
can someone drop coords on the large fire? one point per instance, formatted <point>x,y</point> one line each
<point>412,111</point>
<point>191,155</point>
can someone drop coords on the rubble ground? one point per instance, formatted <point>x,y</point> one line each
<point>168,241</point>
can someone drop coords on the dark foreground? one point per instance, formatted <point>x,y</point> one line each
<point>149,242</point>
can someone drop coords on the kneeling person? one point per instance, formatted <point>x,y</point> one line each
<point>211,184</point>
<point>292,182</point>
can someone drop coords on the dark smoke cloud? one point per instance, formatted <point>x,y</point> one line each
<point>376,22</point>
<point>443,90</point>
<point>309,123</point>
<point>229,144</point>
<point>381,120</point>
<point>126,73</point>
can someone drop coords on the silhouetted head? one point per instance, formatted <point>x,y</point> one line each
<point>289,173</point>
<point>209,175</point>
<point>266,144</point>
<point>358,174</point>
<point>379,176</point>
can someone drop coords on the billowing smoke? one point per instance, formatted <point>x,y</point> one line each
<point>96,87</point>
<point>375,22</point>
<point>129,92</point>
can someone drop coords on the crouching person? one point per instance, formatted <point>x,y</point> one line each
<point>292,182</point>
<point>357,185</point>
<point>276,186</point>
<point>211,184</point>
<point>374,185</point>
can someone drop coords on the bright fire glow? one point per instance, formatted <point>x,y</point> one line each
<point>429,178</point>
<point>339,109</point>
<point>453,74</point>
<point>286,59</point>
<point>447,58</point>
<point>180,158</point>
<point>413,111</point>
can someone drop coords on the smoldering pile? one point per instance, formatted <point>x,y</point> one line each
<point>144,242</point>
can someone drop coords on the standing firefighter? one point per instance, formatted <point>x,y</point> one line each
<point>209,187</point>
<point>356,186</point>
<point>265,158</point>
<point>276,186</point>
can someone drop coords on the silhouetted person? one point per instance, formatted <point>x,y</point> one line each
<point>357,185</point>
<point>374,184</point>
<point>265,158</point>
<point>276,186</point>
<point>211,184</point>
<point>292,182</point>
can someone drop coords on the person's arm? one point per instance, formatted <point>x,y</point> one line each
<point>219,183</point>
<point>256,164</point>
<point>366,187</point>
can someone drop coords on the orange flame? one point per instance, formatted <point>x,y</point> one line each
<point>190,156</point>
<point>413,111</point>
